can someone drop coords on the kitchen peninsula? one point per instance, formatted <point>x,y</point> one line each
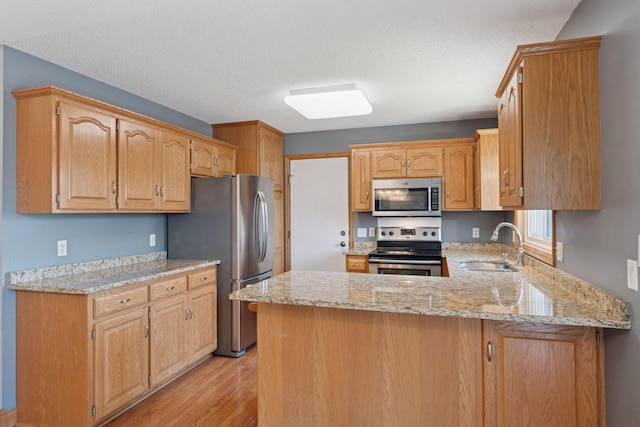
<point>472,349</point>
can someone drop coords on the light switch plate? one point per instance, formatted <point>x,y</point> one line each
<point>632,274</point>
<point>559,252</point>
<point>62,248</point>
<point>362,232</point>
<point>475,231</point>
<point>372,232</point>
<point>152,240</point>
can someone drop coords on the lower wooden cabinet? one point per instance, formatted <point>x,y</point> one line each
<point>357,263</point>
<point>84,357</point>
<point>542,375</point>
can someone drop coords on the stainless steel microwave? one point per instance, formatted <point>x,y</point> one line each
<point>407,197</point>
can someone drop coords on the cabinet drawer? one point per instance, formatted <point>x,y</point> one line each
<point>203,277</point>
<point>167,287</point>
<point>122,300</point>
<point>357,264</point>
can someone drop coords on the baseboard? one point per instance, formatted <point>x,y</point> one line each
<point>8,419</point>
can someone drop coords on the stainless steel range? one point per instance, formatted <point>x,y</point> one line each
<point>414,251</point>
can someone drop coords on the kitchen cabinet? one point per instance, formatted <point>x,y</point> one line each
<point>549,122</point>
<point>76,154</point>
<point>419,162</point>
<point>260,151</point>
<point>360,180</point>
<point>153,169</point>
<point>212,158</point>
<point>543,375</point>
<point>357,263</point>
<point>84,357</point>
<point>457,180</point>
<point>486,170</point>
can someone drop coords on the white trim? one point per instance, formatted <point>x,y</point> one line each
<point>1,184</point>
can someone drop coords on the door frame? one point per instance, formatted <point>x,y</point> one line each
<point>287,191</point>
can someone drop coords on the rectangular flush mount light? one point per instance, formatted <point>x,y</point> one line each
<point>327,102</point>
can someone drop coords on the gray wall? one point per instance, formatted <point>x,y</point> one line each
<point>597,244</point>
<point>29,241</point>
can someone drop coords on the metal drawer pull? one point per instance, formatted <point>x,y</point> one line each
<point>146,331</point>
<point>489,351</point>
<point>186,314</point>
<point>124,301</point>
<point>191,313</point>
<point>170,288</point>
<point>203,279</point>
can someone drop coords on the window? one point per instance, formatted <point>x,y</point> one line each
<point>538,233</point>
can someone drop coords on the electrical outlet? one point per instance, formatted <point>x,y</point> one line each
<point>559,251</point>
<point>475,232</point>
<point>362,232</point>
<point>372,232</point>
<point>632,274</point>
<point>152,240</point>
<point>62,248</point>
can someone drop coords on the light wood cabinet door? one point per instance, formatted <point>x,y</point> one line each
<point>510,140</point>
<point>424,162</point>
<point>202,322</point>
<point>121,360</point>
<point>361,180</point>
<point>486,170</point>
<point>388,163</point>
<point>137,166</point>
<point>226,161</point>
<point>458,177</point>
<point>174,172</point>
<point>168,346</point>
<point>542,375</point>
<point>210,159</point>
<point>271,156</point>
<point>87,164</point>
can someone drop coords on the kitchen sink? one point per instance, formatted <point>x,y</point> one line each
<point>487,266</point>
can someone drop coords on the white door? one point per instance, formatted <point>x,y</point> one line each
<point>319,213</point>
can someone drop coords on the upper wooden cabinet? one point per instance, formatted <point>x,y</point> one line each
<point>75,154</point>
<point>259,148</point>
<point>549,121</point>
<point>360,180</point>
<point>211,157</point>
<point>410,162</point>
<point>260,151</point>
<point>486,170</point>
<point>458,177</point>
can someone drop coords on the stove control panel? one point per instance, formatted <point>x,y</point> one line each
<point>422,234</point>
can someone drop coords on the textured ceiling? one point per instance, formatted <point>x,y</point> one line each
<point>417,61</point>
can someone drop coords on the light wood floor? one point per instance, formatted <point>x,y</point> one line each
<point>222,391</point>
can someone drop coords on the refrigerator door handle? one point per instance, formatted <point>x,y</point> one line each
<point>260,225</point>
<point>265,226</point>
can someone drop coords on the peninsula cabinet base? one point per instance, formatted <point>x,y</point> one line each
<point>327,366</point>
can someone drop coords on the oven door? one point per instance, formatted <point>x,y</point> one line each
<point>406,269</point>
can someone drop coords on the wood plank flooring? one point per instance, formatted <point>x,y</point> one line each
<point>222,391</point>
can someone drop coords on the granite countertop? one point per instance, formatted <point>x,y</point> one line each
<point>536,293</point>
<point>95,276</point>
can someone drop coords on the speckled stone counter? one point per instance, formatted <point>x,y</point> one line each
<point>94,276</point>
<point>361,248</point>
<point>535,293</point>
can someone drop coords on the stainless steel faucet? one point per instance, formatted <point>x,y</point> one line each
<point>494,237</point>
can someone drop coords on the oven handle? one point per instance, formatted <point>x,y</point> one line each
<point>402,261</point>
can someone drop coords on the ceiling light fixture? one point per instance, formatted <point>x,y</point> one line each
<point>328,102</point>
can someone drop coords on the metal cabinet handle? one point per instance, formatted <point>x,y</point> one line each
<point>202,279</point>
<point>124,301</point>
<point>191,313</point>
<point>162,191</point>
<point>146,331</point>
<point>157,190</point>
<point>186,314</point>
<point>489,351</point>
<point>114,187</point>
<point>408,163</point>
<point>505,181</point>
<point>170,288</point>
<point>366,195</point>
<point>403,162</point>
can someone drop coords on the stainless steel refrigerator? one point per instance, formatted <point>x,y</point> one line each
<point>231,219</point>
